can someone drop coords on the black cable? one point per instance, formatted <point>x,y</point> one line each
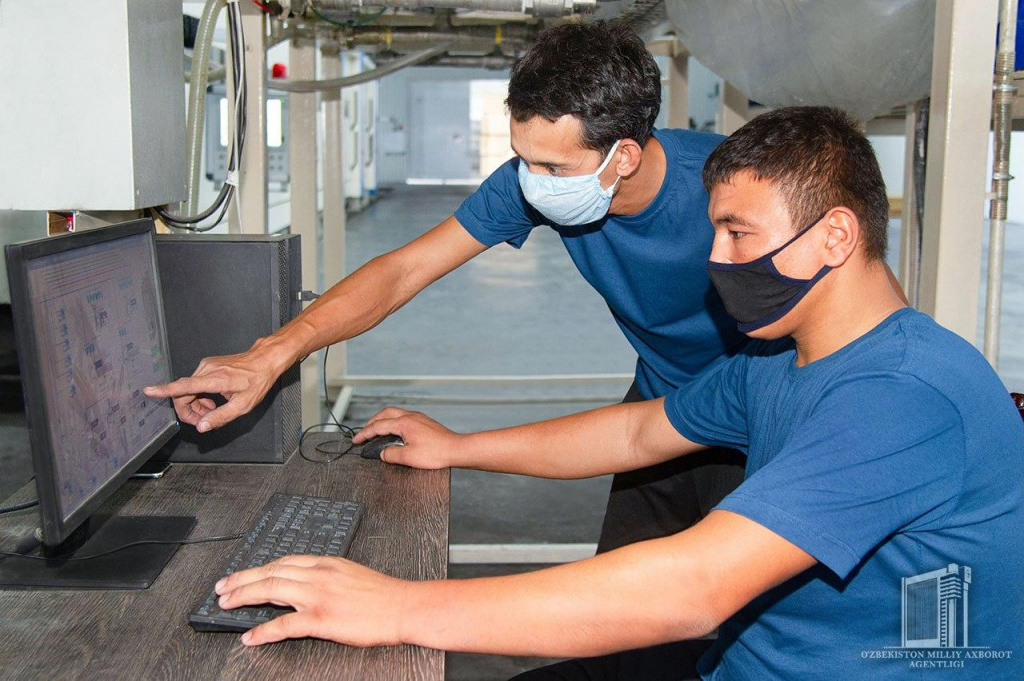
<point>23,506</point>
<point>169,219</point>
<point>184,221</point>
<point>19,507</point>
<point>331,456</point>
<point>201,540</point>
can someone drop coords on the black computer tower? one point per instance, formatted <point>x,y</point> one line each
<point>221,293</point>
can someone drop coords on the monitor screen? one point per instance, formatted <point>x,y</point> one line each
<point>90,321</point>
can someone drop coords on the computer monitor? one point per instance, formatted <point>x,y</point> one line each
<point>90,334</point>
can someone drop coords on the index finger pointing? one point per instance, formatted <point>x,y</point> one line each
<point>190,385</point>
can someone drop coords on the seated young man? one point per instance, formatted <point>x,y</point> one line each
<point>882,505</point>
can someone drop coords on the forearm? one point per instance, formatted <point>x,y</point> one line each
<point>612,439</point>
<point>641,595</point>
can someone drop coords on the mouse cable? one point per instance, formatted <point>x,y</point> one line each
<point>345,432</point>
<point>200,540</point>
<point>19,507</point>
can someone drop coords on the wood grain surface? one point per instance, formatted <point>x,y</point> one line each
<point>145,634</point>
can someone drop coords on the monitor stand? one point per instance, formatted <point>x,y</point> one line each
<point>135,567</point>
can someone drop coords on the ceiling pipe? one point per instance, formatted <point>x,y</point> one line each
<point>535,8</point>
<point>491,62</point>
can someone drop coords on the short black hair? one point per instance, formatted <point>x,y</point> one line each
<point>818,158</point>
<point>599,72</point>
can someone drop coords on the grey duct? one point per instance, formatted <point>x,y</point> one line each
<point>365,76</point>
<point>536,8</point>
<point>1004,91</point>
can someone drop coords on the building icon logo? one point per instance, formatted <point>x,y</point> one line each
<point>936,608</point>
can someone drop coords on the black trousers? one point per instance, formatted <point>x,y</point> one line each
<point>645,504</point>
<point>668,498</point>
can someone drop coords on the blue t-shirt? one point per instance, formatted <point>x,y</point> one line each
<point>898,463</point>
<point>650,267</point>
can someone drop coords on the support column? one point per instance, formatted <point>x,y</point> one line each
<point>679,88</point>
<point>302,135</point>
<point>253,171</point>
<point>734,111</point>
<point>958,131</point>
<point>678,79</point>
<point>334,196</point>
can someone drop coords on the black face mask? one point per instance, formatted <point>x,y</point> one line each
<point>755,293</point>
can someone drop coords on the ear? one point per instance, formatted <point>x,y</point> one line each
<point>626,159</point>
<point>843,236</point>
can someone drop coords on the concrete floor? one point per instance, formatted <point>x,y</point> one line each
<point>504,313</point>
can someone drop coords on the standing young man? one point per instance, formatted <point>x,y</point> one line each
<point>880,518</point>
<point>627,201</point>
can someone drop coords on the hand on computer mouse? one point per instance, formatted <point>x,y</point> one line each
<point>375,446</point>
<point>428,444</point>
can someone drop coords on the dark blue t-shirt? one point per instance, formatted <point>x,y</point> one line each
<point>898,463</point>
<point>650,267</point>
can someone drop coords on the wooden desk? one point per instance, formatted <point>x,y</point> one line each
<point>145,634</point>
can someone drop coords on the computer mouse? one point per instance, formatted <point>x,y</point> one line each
<point>375,445</point>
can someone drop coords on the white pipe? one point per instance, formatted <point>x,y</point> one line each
<point>1005,90</point>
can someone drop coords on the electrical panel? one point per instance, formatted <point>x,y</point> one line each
<point>93,103</point>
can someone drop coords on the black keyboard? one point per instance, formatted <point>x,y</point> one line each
<point>289,525</point>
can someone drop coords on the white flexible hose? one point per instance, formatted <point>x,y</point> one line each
<point>196,116</point>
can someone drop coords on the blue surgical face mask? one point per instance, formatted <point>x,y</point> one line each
<point>576,200</point>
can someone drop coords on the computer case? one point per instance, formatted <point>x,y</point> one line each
<point>221,293</point>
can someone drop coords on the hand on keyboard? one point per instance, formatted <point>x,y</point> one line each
<point>288,524</point>
<point>428,444</point>
<point>334,599</point>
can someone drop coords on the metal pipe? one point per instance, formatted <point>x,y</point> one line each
<point>536,8</point>
<point>476,39</point>
<point>1004,91</point>
<point>364,77</point>
<point>913,204</point>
